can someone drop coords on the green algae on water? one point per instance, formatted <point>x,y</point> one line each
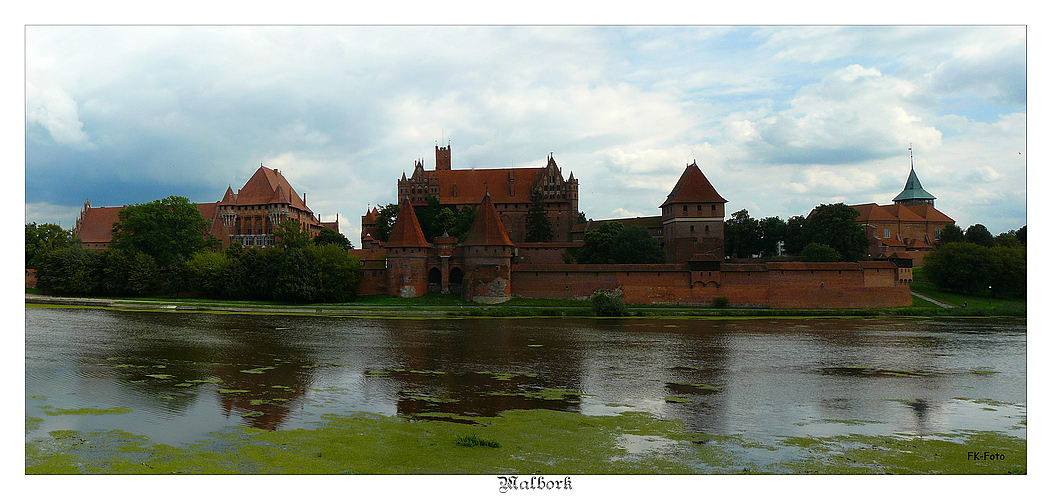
<point>971,452</point>
<point>531,442</point>
<point>259,370</point>
<point>118,410</point>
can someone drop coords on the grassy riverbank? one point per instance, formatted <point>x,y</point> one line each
<point>431,305</point>
<point>518,442</point>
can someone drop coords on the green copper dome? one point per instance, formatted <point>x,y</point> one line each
<point>913,190</point>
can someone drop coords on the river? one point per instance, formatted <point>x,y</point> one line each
<point>184,375</point>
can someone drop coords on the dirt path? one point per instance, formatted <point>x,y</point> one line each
<point>933,301</point>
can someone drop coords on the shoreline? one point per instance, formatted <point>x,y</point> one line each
<point>498,310</point>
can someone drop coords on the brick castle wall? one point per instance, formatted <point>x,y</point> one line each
<point>803,285</point>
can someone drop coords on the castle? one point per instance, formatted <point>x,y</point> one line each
<point>909,226</point>
<point>493,264</point>
<point>247,216</point>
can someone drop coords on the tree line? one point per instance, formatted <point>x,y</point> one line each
<point>829,233</point>
<point>974,261</point>
<point>163,248</point>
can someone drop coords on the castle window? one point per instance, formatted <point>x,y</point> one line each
<point>887,233</point>
<point>699,209</point>
<point>684,209</point>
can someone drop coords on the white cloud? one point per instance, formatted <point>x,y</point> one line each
<point>56,111</point>
<point>853,114</point>
<point>779,119</point>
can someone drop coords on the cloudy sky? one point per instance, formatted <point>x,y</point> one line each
<point>780,118</point>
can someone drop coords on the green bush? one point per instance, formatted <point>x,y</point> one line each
<point>604,305</point>
<point>721,302</point>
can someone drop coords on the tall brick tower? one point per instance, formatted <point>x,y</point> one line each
<point>487,257</point>
<point>407,252</point>
<point>692,218</point>
<point>443,160</point>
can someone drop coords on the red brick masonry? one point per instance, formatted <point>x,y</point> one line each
<point>773,284</point>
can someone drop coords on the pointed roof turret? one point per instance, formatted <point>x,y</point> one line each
<point>913,189</point>
<point>487,229</point>
<point>279,196</point>
<point>228,198</point>
<point>370,217</point>
<point>406,231</point>
<point>693,187</point>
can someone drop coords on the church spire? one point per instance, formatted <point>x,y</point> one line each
<point>913,193</point>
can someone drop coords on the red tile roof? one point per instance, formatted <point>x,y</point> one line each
<point>95,224</point>
<point>873,212</point>
<point>468,187</point>
<point>406,231</point>
<point>266,186</point>
<point>487,229</point>
<point>930,213</point>
<point>693,187</point>
<point>898,212</point>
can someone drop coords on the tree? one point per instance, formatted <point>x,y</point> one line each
<point>597,244</point>
<point>207,272</point>
<point>290,234</point>
<point>68,271</point>
<point>1010,270</point>
<point>742,235</point>
<point>538,225</point>
<point>960,267</point>
<point>465,219</point>
<point>952,233</point>
<point>330,237</point>
<point>773,231</point>
<point>385,221</point>
<point>426,215</point>
<point>636,246</point>
<point>817,252</point>
<point>1021,234</point>
<point>338,272</point>
<point>44,238</point>
<point>612,243</point>
<point>297,279</point>
<point>168,230</point>
<point>1007,239</point>
<point>837,226</point>
<point>794,234</point>
<point>979,235</point>
<point>446,221</point>
<point>251,274</point>
<point>142,275</point>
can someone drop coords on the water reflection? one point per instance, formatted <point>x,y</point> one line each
<point>185,375</point>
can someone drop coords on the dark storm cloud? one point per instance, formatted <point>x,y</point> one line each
<point>127,114</point>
